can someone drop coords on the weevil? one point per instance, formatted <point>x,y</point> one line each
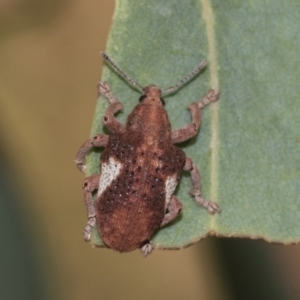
<point>140,167</point>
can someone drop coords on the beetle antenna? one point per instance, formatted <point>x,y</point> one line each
<point>185,79</point>
<point>121,73</point>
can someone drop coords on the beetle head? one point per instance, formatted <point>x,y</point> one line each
<point>152,95</point>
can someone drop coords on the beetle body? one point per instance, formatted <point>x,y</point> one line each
<point>140,170</point>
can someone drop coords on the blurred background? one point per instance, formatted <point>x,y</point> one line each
<point>49,68</point>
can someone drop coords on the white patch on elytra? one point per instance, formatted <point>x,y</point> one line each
<point>109,172</point>
<point>171,184</point>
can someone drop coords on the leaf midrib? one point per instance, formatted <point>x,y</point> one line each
<point>208,17</point>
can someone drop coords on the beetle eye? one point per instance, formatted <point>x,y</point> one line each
<point>162,101</point>
<point>142,98</point>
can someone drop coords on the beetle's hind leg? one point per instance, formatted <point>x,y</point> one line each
<point>90,185</point>
<point>174,209</point>
<point>109,119</point>
<point>211,207</point>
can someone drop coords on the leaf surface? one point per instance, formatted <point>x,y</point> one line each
<point>248,147</point>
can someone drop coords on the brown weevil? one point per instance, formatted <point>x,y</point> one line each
<point>140,167</point>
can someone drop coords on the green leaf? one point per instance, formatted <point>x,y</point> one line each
<point>248,148</point>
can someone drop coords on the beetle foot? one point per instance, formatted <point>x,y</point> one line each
<point>211,207</point>
<point>91,223</point>
<point>104,89</point>
<point>81,166</point>
<point>146,249</point>
<point>211,96</point>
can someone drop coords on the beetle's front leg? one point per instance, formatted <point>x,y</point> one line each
<point>190,130</point>
<point>98,140</point>
<point>109,119</point>
<point>196,190</point>
<point>90,185</point>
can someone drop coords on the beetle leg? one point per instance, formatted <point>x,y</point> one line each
<point>174,209</point>
<point>190,130</point>
<point>90,185</point>
<point>196,190</point>
<point>98,140</point>
<point>109,119</point>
